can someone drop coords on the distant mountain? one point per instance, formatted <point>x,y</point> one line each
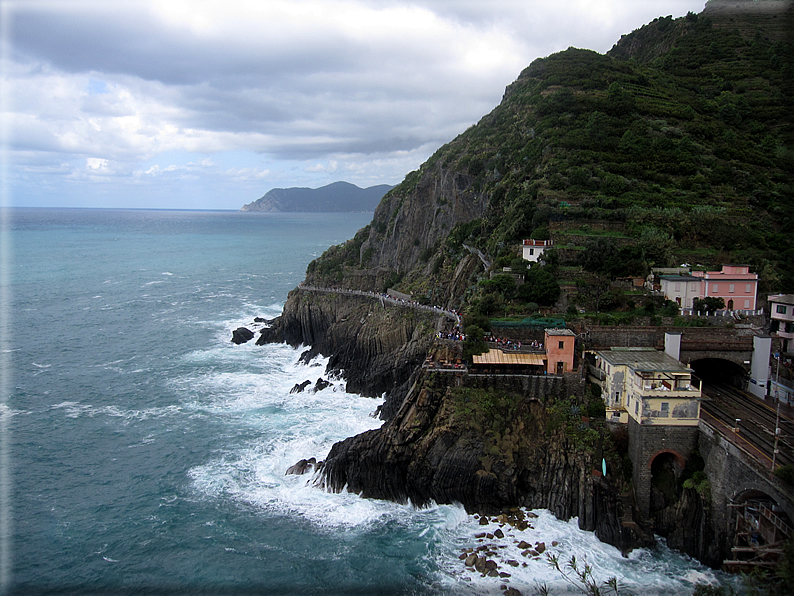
<point>339,197</point>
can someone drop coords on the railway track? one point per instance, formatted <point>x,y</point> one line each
<point>757,420</point>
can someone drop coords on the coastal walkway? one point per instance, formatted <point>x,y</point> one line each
<point>384,299</point>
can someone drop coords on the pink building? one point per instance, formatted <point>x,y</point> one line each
<point>559,350</point>
<point>734,284</point>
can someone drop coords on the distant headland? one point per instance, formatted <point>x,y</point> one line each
<point>338,197</point>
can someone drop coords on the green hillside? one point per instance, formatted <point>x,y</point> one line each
<point>677,146</point>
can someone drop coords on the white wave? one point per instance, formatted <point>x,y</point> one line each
<point>291,427</point>
<point>166,273</point>
<point>658,571</point>
<point>41,365</point>
<point>75,409</point>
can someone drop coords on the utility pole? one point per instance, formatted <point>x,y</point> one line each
<point>777,434</point>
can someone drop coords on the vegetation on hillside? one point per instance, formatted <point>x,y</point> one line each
<point>675,147</point>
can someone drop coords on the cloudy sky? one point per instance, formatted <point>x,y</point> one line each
<point>209,104</point>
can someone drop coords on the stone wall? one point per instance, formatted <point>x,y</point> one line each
<point>648,441</point>
<point>733,474</point>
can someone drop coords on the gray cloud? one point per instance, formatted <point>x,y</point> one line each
<point>292,86</point>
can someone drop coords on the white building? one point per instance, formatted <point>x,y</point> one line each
<point>534,249</point>
<point>781,311</point>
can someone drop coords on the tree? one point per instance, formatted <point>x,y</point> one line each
<point>657,246</point>
<point>708,304</point>
<point>596,255</point>
<point>541,286</point>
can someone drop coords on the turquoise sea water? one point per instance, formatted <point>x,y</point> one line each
<point>147,452</point>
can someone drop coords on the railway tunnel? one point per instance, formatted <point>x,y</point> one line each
<point>720,370</point>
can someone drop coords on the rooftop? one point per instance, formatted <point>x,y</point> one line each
<point>782,298</point>
<point>559,332</point>
<point>643,359</point>
<point>500,357</point>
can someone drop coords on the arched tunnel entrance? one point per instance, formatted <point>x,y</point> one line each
<point>666,470</point>
<point>719,370</point>
<point>761,530</point>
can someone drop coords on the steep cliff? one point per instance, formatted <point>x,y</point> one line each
<point>680,139</point>
<point>373,345</point>
<point>688,526</point>
<point>489,444</point>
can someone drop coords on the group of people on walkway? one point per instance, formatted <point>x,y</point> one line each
<point>456,334</point>
<point>511,344</point>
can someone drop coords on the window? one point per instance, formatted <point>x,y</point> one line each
<point>617,397</point>
<point>693,287</point>
<point>562,345</point>
<point>748,288</point>
<point>637,407</point>
<point>781,309</point>
<point>665,409</point>
<point>715,288</point>
<point>731,288</point>
<point>531,251</point>
<point>677,286</point>
<point>747,304</point>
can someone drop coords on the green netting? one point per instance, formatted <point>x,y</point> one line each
<point>530,323</point>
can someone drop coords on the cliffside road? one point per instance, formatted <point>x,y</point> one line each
<point>385,298</point>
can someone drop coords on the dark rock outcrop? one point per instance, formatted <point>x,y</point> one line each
<point>299,387</point>
<point>689,527</point>
<point>302,467</point>
<point>242,335</point>
<point>321,384</point>
<point>440,448</point>
<point>375,348</point>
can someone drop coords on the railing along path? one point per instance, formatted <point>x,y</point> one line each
<point>450,314</point>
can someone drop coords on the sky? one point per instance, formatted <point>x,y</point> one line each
<point>208,104</point>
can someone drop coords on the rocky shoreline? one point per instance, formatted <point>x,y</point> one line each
<point>434,448</point>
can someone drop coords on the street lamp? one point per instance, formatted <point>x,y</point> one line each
<point>736,426</point>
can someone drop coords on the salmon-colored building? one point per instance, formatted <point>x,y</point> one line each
<point>559,350</point>
<point>734,284</point>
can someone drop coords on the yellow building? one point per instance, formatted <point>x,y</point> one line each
<point>647,385</point>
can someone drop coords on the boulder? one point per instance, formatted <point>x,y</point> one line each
<point>242,335</point>
<point>299,387</point>
<point>321,384</point>
<point>303,466</point>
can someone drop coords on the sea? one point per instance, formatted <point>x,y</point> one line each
<point>145,453</point>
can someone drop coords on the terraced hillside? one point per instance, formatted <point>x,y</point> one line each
<point>679,139</point>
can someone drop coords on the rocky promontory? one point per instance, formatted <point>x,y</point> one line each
<point>374,346</point>
<point>489,444</point>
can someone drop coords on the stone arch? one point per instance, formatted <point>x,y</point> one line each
<point>760,525</point>
<point>759,491</point>
<point>680,460</point>
<point>721,370</point>
<point>666,467</point>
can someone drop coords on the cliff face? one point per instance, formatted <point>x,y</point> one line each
<point>487,445</point>
<point>375,347</point>
<point>689,527</point>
